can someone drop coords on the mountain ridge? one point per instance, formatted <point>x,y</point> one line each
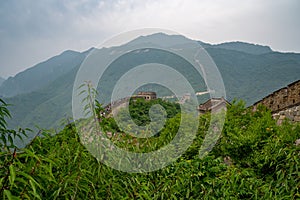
<point>233,45</point>
<point>245,47</point>
<point>246,76</point>
<point>40,74</point>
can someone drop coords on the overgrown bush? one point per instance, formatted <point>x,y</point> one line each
<point>264,164</point>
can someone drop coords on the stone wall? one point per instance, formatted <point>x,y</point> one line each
<point>292,113</point>
<point>284,103</point>
<point>145,95</point>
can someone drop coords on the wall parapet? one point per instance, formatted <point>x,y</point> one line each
<point>282,99</point>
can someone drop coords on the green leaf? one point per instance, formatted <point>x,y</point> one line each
<point>9,195</point>
<point>12,174</point>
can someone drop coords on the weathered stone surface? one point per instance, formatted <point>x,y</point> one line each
<point>289,113</point>
<point>297,118</point>
<point>281,113</point>
<point>276,116</point>
<point>284,103</point>
<point>282,98</point>
<point>282,117</point>
<point>289,116</point>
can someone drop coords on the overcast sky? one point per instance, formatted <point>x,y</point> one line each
<point>33,31</point>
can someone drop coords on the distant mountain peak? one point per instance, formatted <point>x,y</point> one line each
<point>88,51</point>
<point>166,40</point>
<point>161,39</point>
<point>255,49</point>
<point>161,35</point>
<point>68,53</point>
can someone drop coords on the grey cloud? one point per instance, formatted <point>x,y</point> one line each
<point>35,30</point>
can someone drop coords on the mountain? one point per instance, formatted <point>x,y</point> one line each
<point>251,77</point>
<point>161,39</point>
<point>41,74</point>
<point>45,107</point>
<point>245,47</point>
<point>1,81</point>
<point>249,72</point>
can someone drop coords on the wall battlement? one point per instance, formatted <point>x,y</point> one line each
<point>284,102</point>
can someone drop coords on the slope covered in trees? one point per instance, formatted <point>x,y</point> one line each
<point>249,72</point>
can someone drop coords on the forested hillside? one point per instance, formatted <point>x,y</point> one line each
<point>249,72</point>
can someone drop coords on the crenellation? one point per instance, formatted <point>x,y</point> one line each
<point>284,103</point>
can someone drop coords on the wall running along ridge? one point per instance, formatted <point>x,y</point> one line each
<point>284,103</point>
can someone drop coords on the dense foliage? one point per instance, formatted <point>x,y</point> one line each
<point>139,109</point>
<point>253,159</point>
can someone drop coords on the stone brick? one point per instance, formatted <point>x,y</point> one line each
<point>276,116</point>
<point>282,117</point>
<point>297,118</point>
<point>279,122</point>
<point>281,113</point>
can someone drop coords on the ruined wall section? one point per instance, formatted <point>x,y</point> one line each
<point>292,113</point>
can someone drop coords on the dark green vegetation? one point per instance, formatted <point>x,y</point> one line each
<point>139,110</point>
<point>250,72</point>
<point>261,162</point>
<point>41,90</point>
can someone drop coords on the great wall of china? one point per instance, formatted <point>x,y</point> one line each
<point>283,103</point>
<point>143,95</point>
